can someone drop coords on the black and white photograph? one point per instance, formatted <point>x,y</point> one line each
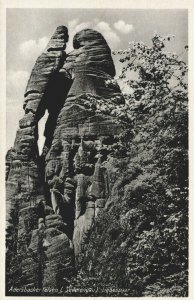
<point>96,152</point>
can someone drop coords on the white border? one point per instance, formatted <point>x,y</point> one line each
<point>129,4</point>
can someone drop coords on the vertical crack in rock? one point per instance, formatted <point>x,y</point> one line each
<point>52,200</point>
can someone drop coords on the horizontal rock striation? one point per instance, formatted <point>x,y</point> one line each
<point>25,185</point>
<point>53,199</point>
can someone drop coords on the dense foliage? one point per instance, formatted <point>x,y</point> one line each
<point>139,244</point>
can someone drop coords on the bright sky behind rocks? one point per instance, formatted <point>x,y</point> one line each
<point>28,31</point>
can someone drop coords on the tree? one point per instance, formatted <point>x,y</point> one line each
<point>158,109</point>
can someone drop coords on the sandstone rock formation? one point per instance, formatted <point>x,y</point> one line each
<point>53,199</point>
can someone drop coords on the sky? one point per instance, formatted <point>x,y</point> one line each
<point>29,30</point>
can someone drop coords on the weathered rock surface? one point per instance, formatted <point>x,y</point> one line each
<point>53,199</point>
